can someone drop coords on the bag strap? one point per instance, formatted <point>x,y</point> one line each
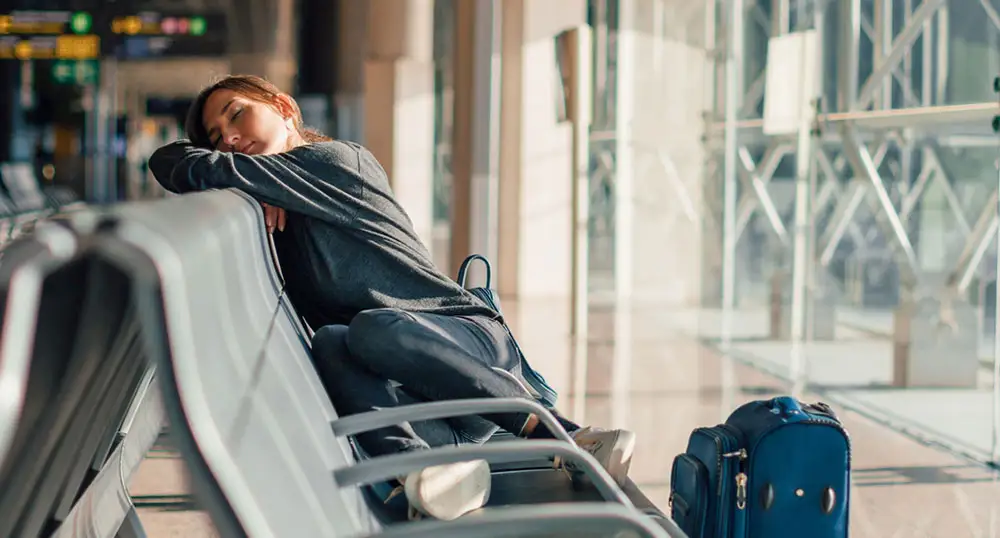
<point>464,269</point>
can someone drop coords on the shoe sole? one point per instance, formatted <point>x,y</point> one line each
<point>621,456</point>
<point>449,491</point>
<point>618,464</point>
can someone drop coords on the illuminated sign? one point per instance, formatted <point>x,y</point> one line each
<point>46,23</point>
<point>48,35</point>
<point>58,47</point>
<point>76,71</point>
<point>156,35</point>
<point>85,35</point>
<point>157,25</point>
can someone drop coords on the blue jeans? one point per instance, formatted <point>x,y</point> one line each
<point>433,358</point>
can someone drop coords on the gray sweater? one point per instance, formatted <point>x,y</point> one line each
<point>348,246</point>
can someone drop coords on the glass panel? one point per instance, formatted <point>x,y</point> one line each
<point>898,292</point>
<point>971,50</point>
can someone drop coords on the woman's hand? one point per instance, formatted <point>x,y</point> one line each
<point>274,217</point>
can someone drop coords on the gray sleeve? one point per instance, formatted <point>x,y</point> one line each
<point>318,183</point>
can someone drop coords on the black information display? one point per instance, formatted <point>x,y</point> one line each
<point>88,35</point>
<point>48,35</point>
<point>150,35</point>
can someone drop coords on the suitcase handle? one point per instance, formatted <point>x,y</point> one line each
<point>787,405</point>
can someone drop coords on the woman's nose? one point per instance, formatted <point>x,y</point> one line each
<point>231,138</point>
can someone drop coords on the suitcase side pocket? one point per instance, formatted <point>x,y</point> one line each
<point>689,490</point>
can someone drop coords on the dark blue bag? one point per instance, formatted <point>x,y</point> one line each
<point>544,393</point>
<point>776,468</point>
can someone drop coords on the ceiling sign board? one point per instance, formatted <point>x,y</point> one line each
<point>150,35</point>
<point>111,32</point>
<point>48,35</point>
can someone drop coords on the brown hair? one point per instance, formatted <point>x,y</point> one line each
<point>252,87</point>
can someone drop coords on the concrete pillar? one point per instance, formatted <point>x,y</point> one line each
<point>399,102</point>
<point>535,167</point>
<point>662,88</point>
<point>475,132</point>
<point>272,53</point>
<point>351,42</point>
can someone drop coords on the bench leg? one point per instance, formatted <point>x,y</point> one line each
<point>131,527</point>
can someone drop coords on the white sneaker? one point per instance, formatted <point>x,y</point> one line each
<point>448,491</point>
<point>611,448</point>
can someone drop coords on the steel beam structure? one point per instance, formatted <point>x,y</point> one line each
<point>919,127</point>
<point>865,113</point>
<point>995,448</point>
<point>733,84</point>
<point>883,145</point>
<point>888,219</point>
<point>923,126</point>
<point>972,114</point>
<point>893,54</point>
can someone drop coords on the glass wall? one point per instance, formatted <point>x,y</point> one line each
<point>891,307</point>
<point>850,257</point>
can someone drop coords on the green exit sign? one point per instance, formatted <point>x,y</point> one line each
<point>80,22</point>
<point>86,72</point>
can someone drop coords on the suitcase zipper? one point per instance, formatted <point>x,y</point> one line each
<point>719,445</point>
<point>741,478</point>
<point>741,491</point>
<point>723,442</point>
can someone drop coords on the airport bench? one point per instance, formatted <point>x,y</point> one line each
<point>79,406</point>
<point>17,218</point>
<point>267,453</point>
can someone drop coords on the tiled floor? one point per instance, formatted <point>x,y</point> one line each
<point>162,497</point>
<point>900,488</point>
<point>662,385</point>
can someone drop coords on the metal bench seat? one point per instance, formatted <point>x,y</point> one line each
<point>267,452</point>
<point>79,406</point>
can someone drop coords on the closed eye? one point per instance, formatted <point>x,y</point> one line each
<point>236,114</point>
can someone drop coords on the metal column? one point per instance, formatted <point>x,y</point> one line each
<point>576,45</point>
<point>804,252</point>
<point>734,66</point>
<point>995,449</point>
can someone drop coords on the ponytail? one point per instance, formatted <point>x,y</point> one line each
<point>313,136</point>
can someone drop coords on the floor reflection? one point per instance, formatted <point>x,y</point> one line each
<point>648,373</point>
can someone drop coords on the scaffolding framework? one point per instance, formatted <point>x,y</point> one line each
<point>880,142</point>
<point>889,110</point>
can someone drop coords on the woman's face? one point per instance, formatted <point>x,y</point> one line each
<point>238,124</point>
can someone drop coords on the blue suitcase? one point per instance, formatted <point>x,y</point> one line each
<point>777,468</point>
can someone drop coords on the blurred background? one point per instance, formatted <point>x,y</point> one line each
<point>689,203</point>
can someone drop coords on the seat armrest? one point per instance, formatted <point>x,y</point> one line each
<point>563,519</point>
<point>384,468</point>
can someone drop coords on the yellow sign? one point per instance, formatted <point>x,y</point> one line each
<point>23,50</point>
<point>7,26</point>
<point>132,26</point>
<point>78,47</point>
<point>31,26</point>
<point>65,47</point>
